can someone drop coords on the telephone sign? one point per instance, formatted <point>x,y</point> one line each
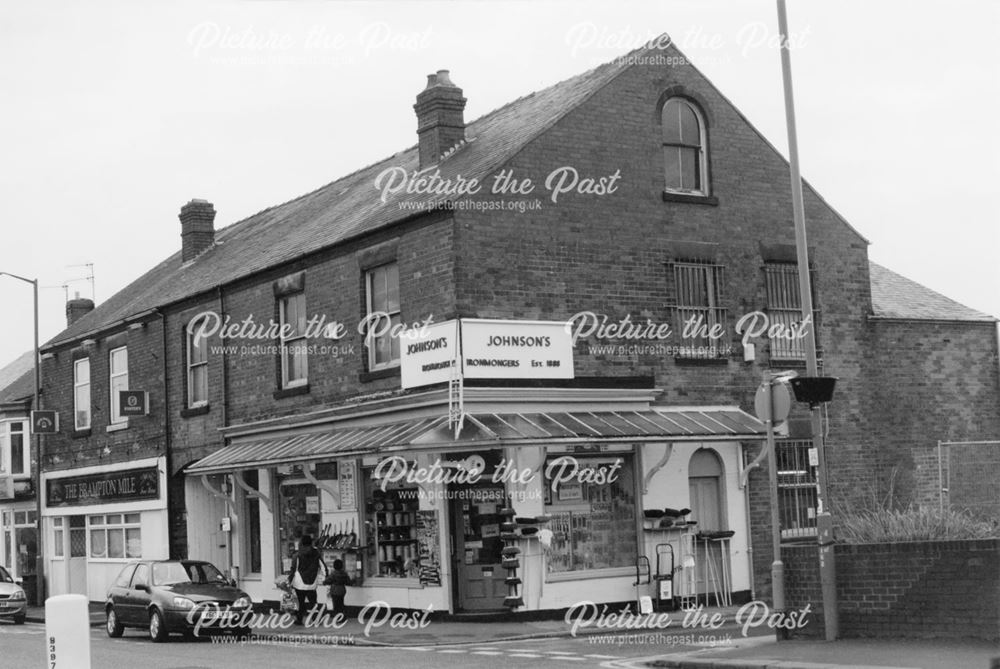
<point>44,421</point>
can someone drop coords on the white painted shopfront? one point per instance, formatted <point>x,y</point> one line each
<point>438,543</point>
<point>98,518</point>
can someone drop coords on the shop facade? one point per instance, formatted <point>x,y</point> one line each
<point>423,517</point>
<point>18,503</point>
<point>97,519</point>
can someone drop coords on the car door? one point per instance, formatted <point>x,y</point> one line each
<point>118,593</point>
<point>137,597</point>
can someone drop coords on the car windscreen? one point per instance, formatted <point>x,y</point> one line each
<point>170,573</point>
<point>204,572</point>
<point>4,576</point>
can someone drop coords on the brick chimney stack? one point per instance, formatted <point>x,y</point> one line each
<point>197,228</point>
<point>77,308</point>
<point>440,117</point>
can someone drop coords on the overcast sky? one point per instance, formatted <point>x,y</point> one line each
<point>115,114</point>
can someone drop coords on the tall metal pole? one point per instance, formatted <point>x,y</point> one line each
<point>39,451</point>
<point>824,521</point>
<point>777,566</point>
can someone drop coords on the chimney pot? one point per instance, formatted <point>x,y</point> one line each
<point>197,228</point>
<point>440,112</point>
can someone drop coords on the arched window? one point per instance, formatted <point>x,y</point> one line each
<point>684,148</point>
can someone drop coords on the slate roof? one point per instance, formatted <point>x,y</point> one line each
<point>22,388</point>
<point>16,367</point>
<point>342,210</point>
<point>895,296</point>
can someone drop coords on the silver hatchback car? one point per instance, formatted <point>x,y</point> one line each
<point>13,603</point>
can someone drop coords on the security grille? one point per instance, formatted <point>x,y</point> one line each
<point>796,488</point>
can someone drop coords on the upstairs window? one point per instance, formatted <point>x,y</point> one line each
<point>118,365</point>
<point>294,353</point>
<point>81,394</point>
<point>684,155</point>
<point>699,318</point>
<point>784,308</point>
<point>383,315</point>
<point>197,366</point>
<point>13,449</point>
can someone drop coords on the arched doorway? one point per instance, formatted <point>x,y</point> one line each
<point>707,493</point>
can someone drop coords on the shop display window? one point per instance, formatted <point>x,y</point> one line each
<point>391,548</point>
<point>299,515</point>
<point>593,523</point>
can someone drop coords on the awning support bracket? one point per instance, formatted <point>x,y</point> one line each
<point>251,493</point>
<point>218,494</point>
<point>669,449</point>
<point>333,492</point>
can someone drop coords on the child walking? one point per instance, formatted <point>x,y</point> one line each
<point>338,580</point>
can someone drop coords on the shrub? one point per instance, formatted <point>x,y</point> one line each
<point>913,524</point>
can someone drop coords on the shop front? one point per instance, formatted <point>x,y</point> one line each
<point>96,519</point>
<point>541,496</point>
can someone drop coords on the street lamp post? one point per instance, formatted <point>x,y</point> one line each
<point>36,404</point>
<point>824,521</point>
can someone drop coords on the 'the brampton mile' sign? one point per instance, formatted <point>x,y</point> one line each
<point>103,488</point>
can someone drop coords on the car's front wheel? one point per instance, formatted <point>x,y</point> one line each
<point>157,629</point>
<point>19,619</point>
<point>113,626</point>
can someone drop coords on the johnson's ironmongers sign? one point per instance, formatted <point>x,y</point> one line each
<point>105,488</point>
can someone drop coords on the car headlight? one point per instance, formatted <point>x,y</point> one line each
<point>183,603</point>
<point>242,603</point>
<point>18,595</point>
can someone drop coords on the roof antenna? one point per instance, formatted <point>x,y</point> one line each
<point>89,277</point>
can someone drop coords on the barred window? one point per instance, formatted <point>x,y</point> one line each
<point>699,319</point>
<point>784,308</point>
<point>796,487</point>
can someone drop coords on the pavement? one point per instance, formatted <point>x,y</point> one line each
<point>760,650</point>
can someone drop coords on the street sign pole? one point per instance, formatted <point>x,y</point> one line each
<point>824,521</point>
<point>777,566</point>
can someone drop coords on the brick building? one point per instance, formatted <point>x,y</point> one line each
<point>274,396</point>
<point>18,503</point>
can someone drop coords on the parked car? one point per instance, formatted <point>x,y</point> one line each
<point>13,602</point>
<point>167,596</point>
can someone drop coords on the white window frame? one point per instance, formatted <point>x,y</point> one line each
<point>7,433</point>
<point>103,523</point>
<point>115,413</point>
<point>394,315</point>
<point>77,386</point>
<point>702,149</point>
<point>192,332</point>
<point>296,339</point>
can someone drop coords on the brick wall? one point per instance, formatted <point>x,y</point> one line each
<point>918,589</point>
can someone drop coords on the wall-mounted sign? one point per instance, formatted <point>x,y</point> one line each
<point>133,402</point>
<point>44,421</point>
<point>498,349</point>
<point>428,355</point>
<point>348,485</point>
<point>104,488</point>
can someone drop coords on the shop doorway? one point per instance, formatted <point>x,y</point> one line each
<point>77,568</point>
<point>475,534</point>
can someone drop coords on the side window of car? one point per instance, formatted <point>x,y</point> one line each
<point>141,576</point>
<point>123,578</point>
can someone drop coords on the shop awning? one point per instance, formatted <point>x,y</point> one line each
<point>490,430</point>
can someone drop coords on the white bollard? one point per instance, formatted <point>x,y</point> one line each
<point>67,632</point>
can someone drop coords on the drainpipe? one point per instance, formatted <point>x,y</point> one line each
<point>166,422</point>
<point>746,510</point>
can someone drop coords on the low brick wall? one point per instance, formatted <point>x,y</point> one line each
<point>943,589</point>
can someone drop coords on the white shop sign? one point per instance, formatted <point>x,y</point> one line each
<point>496,349</point>
<point>427,355</point>
<point>488,349</point>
